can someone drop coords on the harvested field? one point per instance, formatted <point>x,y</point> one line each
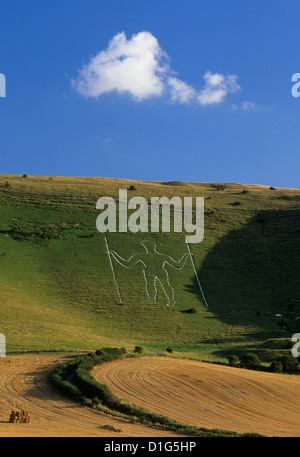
<point>207,395</point>
<point>23,386</point>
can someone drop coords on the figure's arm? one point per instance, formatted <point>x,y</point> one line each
<point>134,259</point>
<point>180,264</point>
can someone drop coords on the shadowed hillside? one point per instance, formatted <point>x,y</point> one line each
<point>253,273</point>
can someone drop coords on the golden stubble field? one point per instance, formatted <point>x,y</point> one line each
<point>208,395</point>
<point>196,393</point>
<point>23,385</point>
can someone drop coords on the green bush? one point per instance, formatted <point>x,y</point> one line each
<point>250,360</point>
<point>276,366</point>
<point>65,386</point>
<point>289,364</point>
<point>234,361</point>
<point>138,349</point>
<point>75,380</point>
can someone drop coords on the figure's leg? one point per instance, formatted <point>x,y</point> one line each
<point>150,286</point>
<point>168,289</point>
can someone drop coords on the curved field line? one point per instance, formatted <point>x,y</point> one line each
<point>24,385</point>
<point>207,395</point>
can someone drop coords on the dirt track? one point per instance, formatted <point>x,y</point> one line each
<point>23,385</point>
<point>208,395</point>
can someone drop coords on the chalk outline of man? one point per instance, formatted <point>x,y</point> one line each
<point>165,284</point>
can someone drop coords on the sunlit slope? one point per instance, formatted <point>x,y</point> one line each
<point>59,290</point>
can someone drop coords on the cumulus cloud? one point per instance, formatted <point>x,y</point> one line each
<point>180,91</point>
<point>140,67</point>
<point>135,66</point>
<point>216,88</point>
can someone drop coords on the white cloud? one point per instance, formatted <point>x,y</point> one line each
<point>216,88</point>
<point>135,66</point>
<point>249,106</point>
<point>180,91</point>
<point>140,67</point>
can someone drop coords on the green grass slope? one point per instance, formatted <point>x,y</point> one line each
<point>58,291</point>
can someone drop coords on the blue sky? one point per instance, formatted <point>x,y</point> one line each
<point>180,90</point>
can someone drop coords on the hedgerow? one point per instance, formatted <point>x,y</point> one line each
<point>76,381</point>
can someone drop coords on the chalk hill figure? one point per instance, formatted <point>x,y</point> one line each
<point>154,270</point>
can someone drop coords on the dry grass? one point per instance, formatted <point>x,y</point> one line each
<point>23,385</point>
<point>207,395</point>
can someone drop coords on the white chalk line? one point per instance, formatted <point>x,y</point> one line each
<point>196,274</point>
<point>170,299</point>
<point>112,269</point>
<point>156,278</point>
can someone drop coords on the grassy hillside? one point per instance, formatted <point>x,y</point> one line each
<point>58,291</point>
